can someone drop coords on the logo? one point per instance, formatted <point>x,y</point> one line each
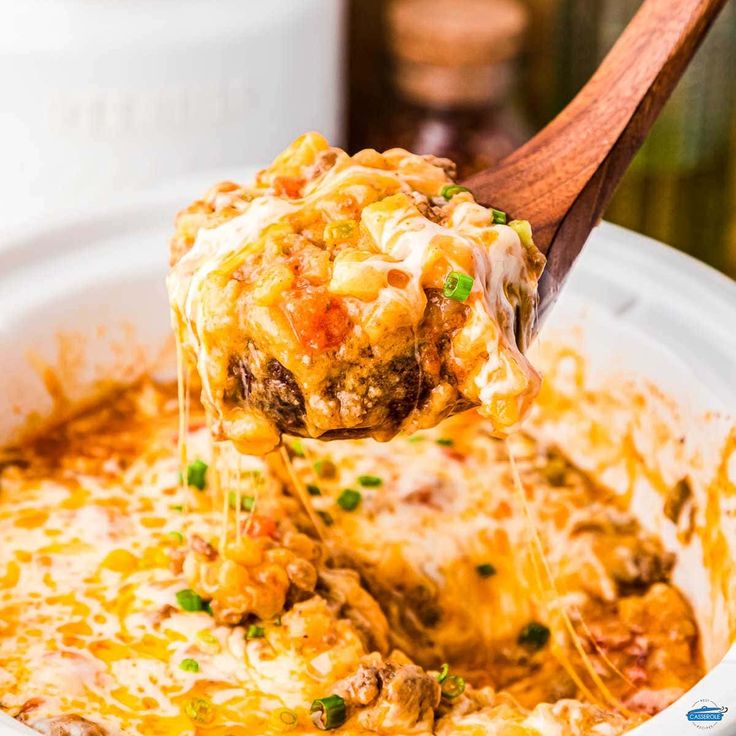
<point>705,713</point>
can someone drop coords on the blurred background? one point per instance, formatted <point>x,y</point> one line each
<point>103,100</point>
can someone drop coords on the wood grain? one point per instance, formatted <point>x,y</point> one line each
<point>563,178</point>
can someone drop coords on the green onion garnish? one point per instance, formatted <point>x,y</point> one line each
<point>326,517</point>
<point>369,481</point>
<point>453,686</point>
<point>246,502</point>
<point>444,671</point>
<point>534,635</point>
<point>196,474</point>
<point>328,713</point>
<point>450,190</point>
<point>313,490</point>
<point>458,286</point>
<point>297,447</point>
<point>189,665</point>
<point>176,536</point>
<point>255,632</point>
<point>191,601</point>
<point>325,468</point>
<point>176,507</point>
<point>445,442</point>
<point>417,438</point>
<point>485,570</point>
<point>349,499</point>
<point>498,217</point>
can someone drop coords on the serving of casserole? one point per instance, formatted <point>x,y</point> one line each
<point>574,578</point>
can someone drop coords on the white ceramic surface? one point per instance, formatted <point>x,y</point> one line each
<point>102,98</point>
<point>653,311</point>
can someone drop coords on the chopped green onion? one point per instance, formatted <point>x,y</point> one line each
<point>458,286</point>
<point>189,665</point>
<point>297,447</point>
<point>369,481</point>
<point>444,671</point>
<point>445,442</point>
<point>197,474</point>
<point>326,517</point>
<point>349,499</point>
<point>450,190</point>
<point>246,502</point>
<point>534,635</point>
<point>417,438</point>
<point>178,536</point>
<point>200,710</point>
<point>453,686</point>
<point>176,507</point>
<point>485,570</point>
<point>255,632</point>
<point>498,217</point>
<point>325,468</point>
<point>191,601</point>
<point>328,713</point>
<point>313,490</point>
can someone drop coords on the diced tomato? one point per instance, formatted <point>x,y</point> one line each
<point>259,526</point>
<point>319,319</point>
<point>288,186</point>
<point>453,454</point>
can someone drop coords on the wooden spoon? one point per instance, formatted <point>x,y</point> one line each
<point>563,178</point>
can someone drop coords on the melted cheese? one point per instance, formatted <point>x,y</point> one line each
<point>256,240</point>
<point>92,624</point>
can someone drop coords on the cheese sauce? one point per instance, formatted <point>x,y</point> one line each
<point>298,297</point>
<point>135,602</point>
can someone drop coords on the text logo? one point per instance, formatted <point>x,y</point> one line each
<point>705,713</point>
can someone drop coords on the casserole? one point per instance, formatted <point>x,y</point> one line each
<point>115,268</point>
<point>343,296</point>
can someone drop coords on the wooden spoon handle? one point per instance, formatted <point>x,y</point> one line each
<point>564,177</point>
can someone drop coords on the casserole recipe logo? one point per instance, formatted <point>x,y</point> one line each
<point>705,713</point>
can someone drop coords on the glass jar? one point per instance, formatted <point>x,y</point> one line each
<point>454,80</point>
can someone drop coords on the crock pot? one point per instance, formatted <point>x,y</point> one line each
<point>88,292</point>
<point>101,99</point>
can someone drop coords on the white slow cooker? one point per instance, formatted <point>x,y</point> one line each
<point>101,99</point>
<point>93,287</point>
